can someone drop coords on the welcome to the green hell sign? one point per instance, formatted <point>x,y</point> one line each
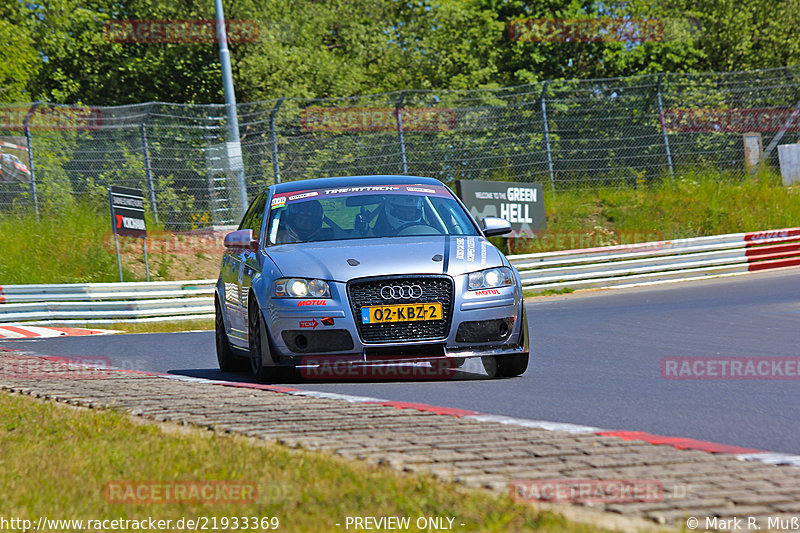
<point>521,204</point>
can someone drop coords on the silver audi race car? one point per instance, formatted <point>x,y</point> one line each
<point>366,271</point>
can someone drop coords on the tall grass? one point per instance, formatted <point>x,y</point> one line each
<point>66,244</point>
<point>705,203</point>
<point>693,204</point>
<point>71,243</point>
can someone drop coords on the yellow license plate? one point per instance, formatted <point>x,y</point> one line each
<point>401,313</point>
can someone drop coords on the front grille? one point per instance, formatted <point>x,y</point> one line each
<point>404,352</point>
<point>366,292</point>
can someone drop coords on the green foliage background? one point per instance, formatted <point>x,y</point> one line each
<point>57,51</point>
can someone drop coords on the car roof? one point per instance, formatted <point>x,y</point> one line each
<point>353,181</point>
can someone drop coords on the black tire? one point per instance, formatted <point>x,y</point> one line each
<point>228,362</point>
<point>509,366</point>
<point>257,368</point>
<point>260,372</point>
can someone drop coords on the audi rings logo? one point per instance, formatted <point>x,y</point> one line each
<point>401,292</point>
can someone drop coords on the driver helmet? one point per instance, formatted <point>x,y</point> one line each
<point>400,210</point>
<point>303,220</point>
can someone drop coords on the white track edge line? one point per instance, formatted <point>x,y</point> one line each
<point>539,424</point>
<point>770,458</point>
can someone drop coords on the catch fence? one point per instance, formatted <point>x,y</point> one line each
<point>562,133</point>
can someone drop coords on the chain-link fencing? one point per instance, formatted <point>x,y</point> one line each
<point>563,133</point>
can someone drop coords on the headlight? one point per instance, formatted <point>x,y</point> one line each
<point>491,278</point>
<point>302,288</point>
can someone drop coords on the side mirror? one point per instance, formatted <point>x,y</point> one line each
<point>241,240</point>
<point>493,226</point>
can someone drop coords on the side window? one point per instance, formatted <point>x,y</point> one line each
<point>255,214</point>
<point>258,215</point>
<point>245,223</point>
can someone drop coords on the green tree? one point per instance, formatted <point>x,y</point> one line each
<point>529,56</point>
<point>317,49</point>
<point>59,50</point>
<point>727,35</point>
<point>19,60</point>
<point>85,64</point>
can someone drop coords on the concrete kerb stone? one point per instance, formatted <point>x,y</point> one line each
<point>407,440</point>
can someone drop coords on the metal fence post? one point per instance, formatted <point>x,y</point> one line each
<point>147,172</point>
<point>31,169</point>
<point>664,126</point>
<point>276,169</point>
<point>547,138</point>
<point>398,116</point>
<point>234,143</point>
<point>31,165</point>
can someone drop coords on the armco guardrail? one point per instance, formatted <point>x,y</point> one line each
<point>107,302</point>
<point>614,266</point>
<point>606,266</point>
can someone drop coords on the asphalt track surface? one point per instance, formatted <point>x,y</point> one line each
<point>595,361</point>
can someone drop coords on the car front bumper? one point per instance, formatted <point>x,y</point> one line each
<point>482,323</point>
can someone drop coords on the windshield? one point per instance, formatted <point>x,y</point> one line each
<point>366,212</point>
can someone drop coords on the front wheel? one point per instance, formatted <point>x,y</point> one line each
<point>509,366</point>
<point>255,341</point>
<point>255,334</point>
<point>225,357</point>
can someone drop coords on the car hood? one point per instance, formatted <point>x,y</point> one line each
<point>345,260</point>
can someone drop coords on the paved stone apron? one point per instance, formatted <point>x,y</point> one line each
<point>475,453</point>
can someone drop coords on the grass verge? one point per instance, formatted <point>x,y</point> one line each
<point>72,244</point>
<point>547,292</point>
<point>63,245</point>
<point>58,461</point>
<point>694,204</point>
<point>155,327</point>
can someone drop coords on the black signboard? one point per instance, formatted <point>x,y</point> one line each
<point>522,204</point>
<point>127,212</point>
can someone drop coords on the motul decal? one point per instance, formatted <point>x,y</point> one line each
<point>487,292</point>
<point>303,303</point>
